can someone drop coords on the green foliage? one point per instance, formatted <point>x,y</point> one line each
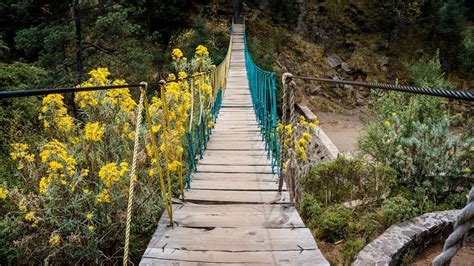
<point>310,209</point>
<point>17,116</point>
<point>416,140</point>
<point>333,224</point>
<point>49,43</point>
<point>397,209</point>
<point>347,179</point>
<point>285,12</point>
<point>350,250</point>
<point>467,54</point>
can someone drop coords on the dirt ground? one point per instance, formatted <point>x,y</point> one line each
<point>343,129</point>
<point>465,257</point>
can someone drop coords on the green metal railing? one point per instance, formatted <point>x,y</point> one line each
<point>263,91</point>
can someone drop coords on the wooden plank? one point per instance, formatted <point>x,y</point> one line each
<point>233,239</point>
<point>235,177</point>
<point>228,216</point>
<point>156,256</point>
<point>235,145</point>
<point>234,160</point>
<point>234,185</point>
<point>241,197</point>
<point>265,169</point>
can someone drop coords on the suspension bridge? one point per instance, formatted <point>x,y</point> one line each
<point>234,213</point>
<point>238,209</point>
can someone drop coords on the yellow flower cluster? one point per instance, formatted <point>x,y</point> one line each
<point>54,113</point>
<point>55,240</point>
<point>202,51</point>
<point>100,75</point>
<point>20,152</point>
<point>94,131</point>
<point>3,193</point>
<point>120,97</point>
<point>110,173</point>
<point>103,196</point>
<point>176,54</point>
<point>301,132</point>
<point>60,164</point>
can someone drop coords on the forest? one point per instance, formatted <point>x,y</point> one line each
<point>65,159</point>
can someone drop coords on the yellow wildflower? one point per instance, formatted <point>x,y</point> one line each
<point>171,77</point>
<point>90,228</point>
<point>176,53</point>
<point>109,174</point>
<point>30,216</point>
<point>210,123</point>
<point>85,190</point>
<point>100,75</point>
<point>90,215</point>
<point>202,51</point>
<point>55,240</point>
<point>103,196</point>
<point>288,129</point>
<point>44,184</point>
<point>3,193</point>
<point>307,136</point>
<point>387,123</point>
<point>54,166</point>
<point>94,131</point>
<point>174,165</point>
<point>182,74</point>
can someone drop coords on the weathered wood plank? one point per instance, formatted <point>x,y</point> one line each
<point>235,185</point>
<point>235,177</point>
<point>265,169</point>
<point>233,239</point>
<point>241,197</point>
<point>228,216</point>
<point>186,258</point>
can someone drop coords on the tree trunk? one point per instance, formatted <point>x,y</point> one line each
<point>79,65</point>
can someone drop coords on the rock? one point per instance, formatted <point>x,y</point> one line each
<point>384,68</point>
<point>314,90</point>
<point>345,66</point>
<point>334,60</point>
<point>383,61</point>
<point>360,102</point>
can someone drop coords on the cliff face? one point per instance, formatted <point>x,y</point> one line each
<point>364,40</point>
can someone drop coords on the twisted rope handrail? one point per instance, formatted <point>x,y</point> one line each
<point>464,222</point>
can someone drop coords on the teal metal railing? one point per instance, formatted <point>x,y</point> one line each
<point>263,91</point>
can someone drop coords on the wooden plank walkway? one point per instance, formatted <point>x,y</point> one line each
<point>234,214</point>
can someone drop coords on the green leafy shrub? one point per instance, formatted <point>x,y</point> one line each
<point>397,209</point>
<point>17,116</point>
<point>416,140</point>
<point>310,209</point>
<point>350,250</point>
<point>334,223</point>
<point>347,179</point>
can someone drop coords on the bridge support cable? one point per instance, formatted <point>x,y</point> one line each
<point>437,92</point>
<point>263,92</point>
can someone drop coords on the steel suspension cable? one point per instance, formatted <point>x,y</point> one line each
<point>452,94</point>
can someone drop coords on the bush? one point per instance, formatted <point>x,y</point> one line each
<point>350,250</point>
<point>416,139</point>
<point>347,179</point>
<point>310,210</point>
<point>334,223</point>
<point>397,209</point>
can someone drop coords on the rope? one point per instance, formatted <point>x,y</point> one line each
<point>131,188</point>
<point>464,222</point>
<point>459,95</point>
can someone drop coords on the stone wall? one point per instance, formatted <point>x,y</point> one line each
<point>411,236</point>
